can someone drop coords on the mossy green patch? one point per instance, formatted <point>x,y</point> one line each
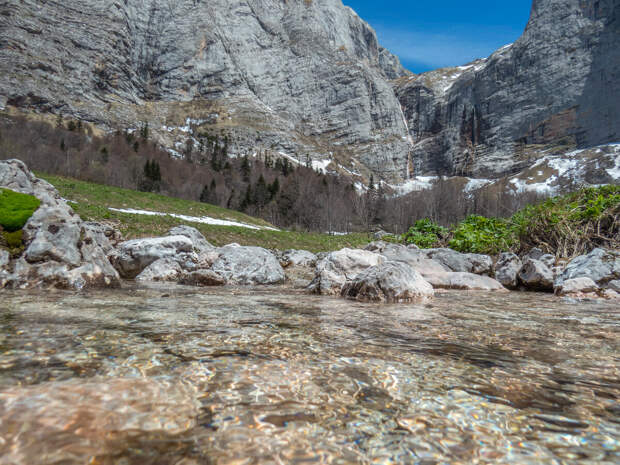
<point>13,240</point>
<point>15,209</point>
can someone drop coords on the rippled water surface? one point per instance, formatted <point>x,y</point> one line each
<point>172,375</point>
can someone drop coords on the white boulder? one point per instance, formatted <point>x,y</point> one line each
<point>333,271</point>
<point>248,265</point>
<point>391,282</point>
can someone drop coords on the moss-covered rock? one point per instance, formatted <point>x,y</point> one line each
<point>15,210</point>
<point>13,239</point>
<point>48,245</point>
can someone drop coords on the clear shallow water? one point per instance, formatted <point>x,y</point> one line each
<point>172,375</point>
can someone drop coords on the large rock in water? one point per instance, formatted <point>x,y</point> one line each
<point>170,258</point>
<point>576,287</point>
<point>333,271</point>
<point>297,258</point>
<point>461,262</point>
<point>202,278</point>
<point>132,257</point>
<point>105,235</point>
<point>463,281</point>
<point>391,282</point>
<point>536,276</point>
<point>302,77</point>
<point>60,249</point>
<point>166,269</point>
<point>601,266</point>
<point>413,257</point>
<point>248,265</point>
<point>199,242</point>
<point>507,269</point>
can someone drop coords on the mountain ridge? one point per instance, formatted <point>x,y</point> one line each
<point>308,80</point>
<point>497,115</point>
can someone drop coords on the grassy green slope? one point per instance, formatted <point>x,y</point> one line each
<point>92,202</point>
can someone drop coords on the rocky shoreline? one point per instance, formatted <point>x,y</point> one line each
<point>62,251</point>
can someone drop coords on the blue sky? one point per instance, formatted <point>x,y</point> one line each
<point>429,34</point>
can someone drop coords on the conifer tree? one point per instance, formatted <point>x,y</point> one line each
<point>261,193</point>
<point>245,168</point>
<point>144,131</point>
<point>274,188</point>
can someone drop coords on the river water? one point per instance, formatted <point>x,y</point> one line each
<point>175,375</point>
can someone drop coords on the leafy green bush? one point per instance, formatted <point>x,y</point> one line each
<point>478,234</point>
<point>572,224</point>
<point>16,209</point>
<point>565,226</point>
<point>594,203</point>
<point>425,234</point>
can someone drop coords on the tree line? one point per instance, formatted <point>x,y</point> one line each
<point>287,194</point>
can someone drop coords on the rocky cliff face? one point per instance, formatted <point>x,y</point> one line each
<point>296,76</point>
<point>307,78</point>
<point>558,85</point>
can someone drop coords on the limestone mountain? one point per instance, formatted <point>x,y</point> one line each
<point>307,79</point>
<point>303,77</point>
<point>557,86</point>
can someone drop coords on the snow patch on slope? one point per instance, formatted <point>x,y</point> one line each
<point>416,184</point>
<point>320,165</point>
<point>475,184</point>
<point>192,219</point>
<point>615,171</point>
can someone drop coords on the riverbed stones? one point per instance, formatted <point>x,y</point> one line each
<point>534,275</point>
<point>614,285</point>
<point>248,265</point>
<point>538,254</point>
<point>463,281</point>
<point>97,416</point>
<point>534,254</point>
<point>461,262</point>
<point>165,269</point>
<point>379,235</point>
<point>4,258</point>
<point>600,265</point>
<point>390,282</point>
<point>198,240</point>
<point>106,236</point>
<point>576,287</point>
<point>298,258</point>
<point>413,257</point>
<point>202,278</point>
<point>338,267</point>
<point>60,249</point>
<point>507,269</point>
<point>132,257</point>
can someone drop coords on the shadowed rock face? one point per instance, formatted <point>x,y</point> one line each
<point>303,77</point>
<point>557,85</point>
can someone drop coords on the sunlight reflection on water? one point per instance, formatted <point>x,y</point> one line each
<point>172,375</point>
